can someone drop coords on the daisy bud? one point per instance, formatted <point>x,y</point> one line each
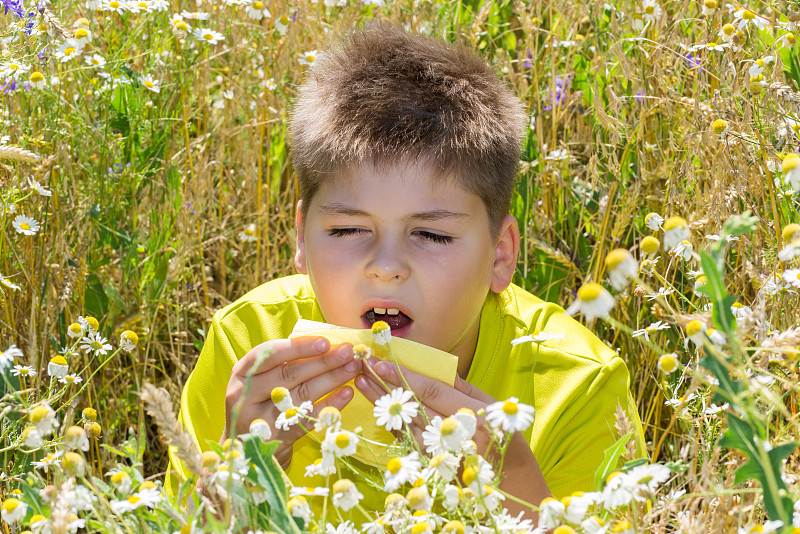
<point>719,126</point>
<point>37,522</point>
<point>621,268</point>
<point>75,330</point>
<point>122,481</point>
<point>89,415</point>
<point>381,332</point>
<point>728,29</point>
<point>694,331</point>
<point>698,285</point>
<point>329,416</point>
<point>469,476</point>
<point>394,501</point>
<point>261,429</point>
<point>361,352</point>
<point>789,232</point>
<point>13,510</point>
<point>282,398</point>
<point>43,418</point>
<point>57,368</point>
<point>650,245</point>
<point>668,363</point>
<point>345,494</point>
<point>128,340</point>
<point>755,87</point>
<point>593,301</point>
<point>94,324</point>
<point>419,498</point>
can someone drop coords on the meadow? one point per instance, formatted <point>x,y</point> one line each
<point>145,182</point>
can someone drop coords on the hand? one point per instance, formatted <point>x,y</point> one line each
<point>522,477</point>
<point>307,366</point>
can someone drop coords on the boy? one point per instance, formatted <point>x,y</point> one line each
<point>406,150</point>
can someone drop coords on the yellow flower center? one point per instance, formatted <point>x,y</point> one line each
<point>9,505</point>
<point>674,222</point>
<point>113,4</point>
<point>589,292</point>
<point>615,257</point>
<point>257,5</point>
<point>719,126</point>
<point>668,363</point>
<point>342,440</point>
<point>454,527</point>
<point>96,345</point>
<point>694,327</point>
<point>649,10</point>
<point>59,360</point>
<point>421,527</point>
<point>284,20</point>
<point>208,36</point>
<point>510,408</point>
<point>449,425</point>
<point>69,50</point>
<point>90,414</point>
<point>343,486</point>
<point>133,499</point>
<point>181,25</point>
<point>119,477</point>
<point>728,29</point>
<point>278,394</point>
<point>396,409</point>
<point>75,328</point>
<point>790,162</point>
<point>394,465</point>
<point>748,15</point>
<point>710,4</point>
<point>25,226</point>
<point>80,33</point>
<point>291,412</point>
<point>13,66</point>
<point>310,58</point>
<point>564,529</point>
<point>650,245</point>
<point>148,84</point>
<point>622,526</point>
<point>469,475</point>
<point>789,231</point>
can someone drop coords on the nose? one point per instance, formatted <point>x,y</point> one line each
<point>387,263</point>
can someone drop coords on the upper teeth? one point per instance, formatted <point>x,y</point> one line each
<point>390,311</point>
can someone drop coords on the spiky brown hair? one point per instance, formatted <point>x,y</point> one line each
<point>385,96</point>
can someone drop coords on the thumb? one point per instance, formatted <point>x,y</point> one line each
<point>471,391</point>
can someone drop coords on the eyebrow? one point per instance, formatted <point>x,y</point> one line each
<point>336,208</point>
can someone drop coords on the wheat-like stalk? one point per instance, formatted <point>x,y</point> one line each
<point>15,153</point>
<point>159,407</point>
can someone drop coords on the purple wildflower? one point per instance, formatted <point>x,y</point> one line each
<point>15,6</point>
<point>692,60</point>
<point>528,60</point>
<point>560,95</point>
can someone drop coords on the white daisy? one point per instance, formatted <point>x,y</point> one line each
<point>114,6</point>
<point>13,510</point>
<point>593,301</point>
<point>24,371</point>
<point>8,355</point>
<point>282,24</point>
<point>622,267</point>
<point>745,16</point>
<point>25,225</point>
<point>653,328</point>
<point>49,460</point>
<point>96,343</point>
<point>150,83</point>
<point>395,408</point>
<point>70,379</point>
<point>510,415</point>
<point>401,470</point>
<point>308,58</point>
<point>257,11</point>
<point>345,494</point>
<point>58,368</point>
<point>39,188</point>
<point>209,36</point>
<point>293,415</point>
<point>340,442</point>
<point>6,281</point>
<point>792,277</point>
<point>683,250</point>
<point>249,233</point>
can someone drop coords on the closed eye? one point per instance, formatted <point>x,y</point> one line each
<point>344,232</point>
<point>435,238</point>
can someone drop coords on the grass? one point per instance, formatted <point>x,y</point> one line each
<point>151,192</point>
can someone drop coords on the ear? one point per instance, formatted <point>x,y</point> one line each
<point>300,252</point>
<point>505,254</point>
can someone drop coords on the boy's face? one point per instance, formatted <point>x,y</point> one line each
<point>394,245</point>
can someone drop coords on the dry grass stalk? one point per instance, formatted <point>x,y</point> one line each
<point>623,427</point>
<point>15,153</point>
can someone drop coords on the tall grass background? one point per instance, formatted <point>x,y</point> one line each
<point>155,196</point>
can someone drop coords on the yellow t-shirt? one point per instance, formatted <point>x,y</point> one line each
<point>575,384</point>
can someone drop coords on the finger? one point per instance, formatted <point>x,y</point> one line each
<point>292,375</point>
<point>431,392</point>
<point>471,391</point>
<point>280,351</point>
<point>318,386</point>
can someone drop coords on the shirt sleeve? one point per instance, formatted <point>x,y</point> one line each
<point>586,428</point>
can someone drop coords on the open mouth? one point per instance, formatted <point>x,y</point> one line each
<point>396,319</point>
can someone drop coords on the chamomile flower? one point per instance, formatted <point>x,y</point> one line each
<point>551,513</point>
<point>400,470</point>
<point>150,84</point>
<point>83,36</point>
<point>745,16</point>
<point>719,127</point>
<point>299,507</point>
<point>593,301</point>
<point>651,329</point>
<point>716,337</point>
<point>419,498</point>
<point>208,35</point>
<point>58,367</point>
<point>113,6</point>
<point>668,363</point>
<point>650,10</point>
<point>340,443</point>
<point>791,170</point>
<point>678,402</point>
<point>298,491</point>
<point>179,26</point>
<point>282,24</point>
<point>31,437</point>
<point>293,415</point>
<point>257,10</point>
<point>683,250</point>
<point>6,281</point>
<point>695,332</point>
<point>740,311</point>
<point>443,435</point>
<point>381,333</point>
<point>622,267</point>
<point>536,337</point>
<point>70,379</point>
<point>792,277</point>
<point>128,340</point>
<point>510,415</point>
<point>281,398</point>
<point>54,458</point>
<point>329,417</point>
<point>36,79</point>
<point>342,528</point>
<point>25,225</point>
<point>7,356</point>
<point>43,418</point>
<point>248,235</point>
<point>96,343</point>
<point>395,409</point>
<point>261,429</point>
<point>13,511</point>
<point>445,465</point>
<point>307,58</point>
<point>675,230</point>
<point>75,438</point>
<point>24,371</point>
<point>120,480</point>
<point>662,292</point>
<point>650,245</point>
<point>13,69</point>
<point>345,494</point>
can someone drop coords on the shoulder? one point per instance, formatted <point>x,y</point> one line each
<point>272,308</point>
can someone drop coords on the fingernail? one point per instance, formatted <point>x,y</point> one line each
<point>382,369</point>
<point>372,360</point>
<point>361,382</point>
<point>346,351</point>
<point>351,367</point>
<point>321,345</point>
<point>346,393</point>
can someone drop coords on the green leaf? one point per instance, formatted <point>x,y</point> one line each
<point>715,289</point>
<point>611,459</point>
<point>269,477</point>
<point>741,224</point>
